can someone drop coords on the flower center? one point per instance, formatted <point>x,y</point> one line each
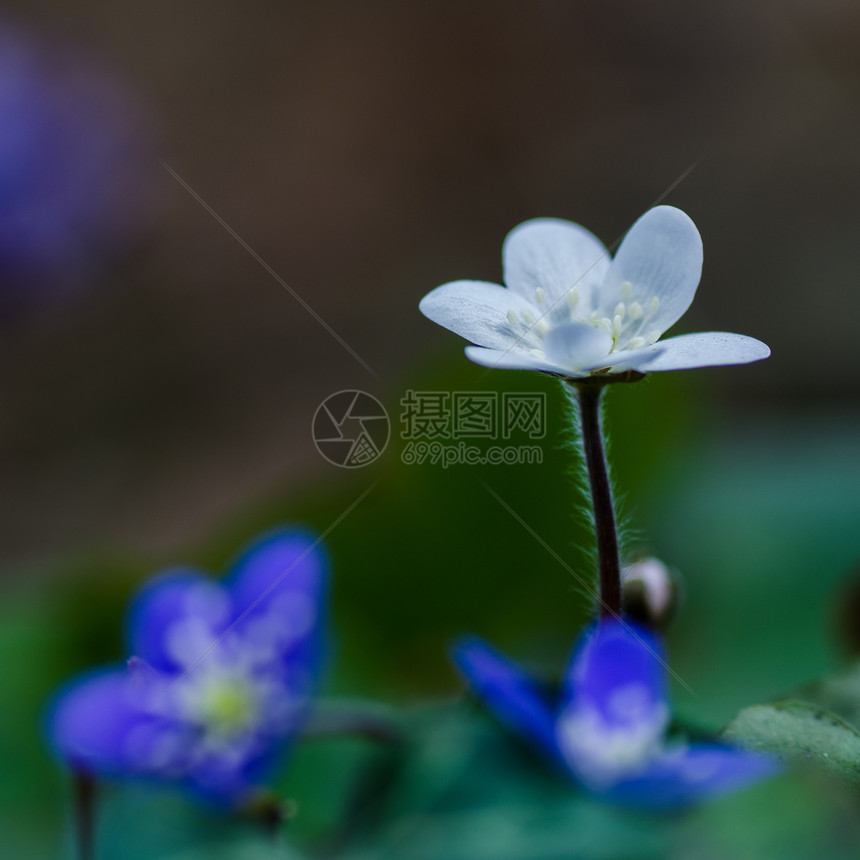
<point>630,323</point>
<point>603,748</point>
<point>225,707</point>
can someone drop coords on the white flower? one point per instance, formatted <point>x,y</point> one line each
<point>570,309</point>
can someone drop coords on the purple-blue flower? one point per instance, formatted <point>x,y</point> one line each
<point>220,678</point>
<point>72,181</point>
<point>606,728</point>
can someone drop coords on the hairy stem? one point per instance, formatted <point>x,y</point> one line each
<point>606,534</point>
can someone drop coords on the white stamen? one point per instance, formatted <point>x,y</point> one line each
<point>540,297</point>
<point>616,325</point>
<point>626,289</point>
<point>513,318</point>
<point>536,353</point>
<point>541,327</point>
<point>572,298</point>
<point>620,310</point>
<point>653,337</point>
<point>527,317</point>
<point>655,303</point>
<point>635,311</point>
<point>605,324</point>
<point>636,342</point>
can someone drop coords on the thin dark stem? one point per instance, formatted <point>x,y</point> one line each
<point>606,534</point>
<point>345,719</point>
<point>271,813</point>
<point>84,792</point>
<point>273,816</point>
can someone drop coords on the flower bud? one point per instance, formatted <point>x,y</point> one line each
<point>649,592</point>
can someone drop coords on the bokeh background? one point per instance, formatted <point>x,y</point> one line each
<point>158,383</point>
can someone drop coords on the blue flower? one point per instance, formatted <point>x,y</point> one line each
<point>220,680</point>
<point>72,152</point>
<point>607,727</point>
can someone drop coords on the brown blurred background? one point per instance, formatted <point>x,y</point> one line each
<point>369,152</point>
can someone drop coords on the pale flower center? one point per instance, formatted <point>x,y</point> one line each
<point>629,322</point>
<point>226,706</point>
<point>232,695</point>
<point>603,751</point>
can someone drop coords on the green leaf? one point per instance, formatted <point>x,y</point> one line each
<point>145,822</point>
<point>839,694</point>
<point>800,732</point>
<point>466,790</point>
<point>240,851</point>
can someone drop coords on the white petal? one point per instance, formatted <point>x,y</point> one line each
<point>661,257</point>
<point>499,359</point>
<point>477,311</point>
<point>705,349</point>
<point>577,345</point>
<point>629,359</point>
<point>554,255</point>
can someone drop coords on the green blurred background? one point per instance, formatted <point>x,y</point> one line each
<point>369,152</point>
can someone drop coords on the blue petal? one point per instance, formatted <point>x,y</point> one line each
<point>90,721</point>
<point>278,588</point>
<point>508,692</point>
<point>220,781</point>
<point>223,780</point>
<point>618,672</point>
<point>175,618</point>
<point>283,562</point>
<point>686,775</point>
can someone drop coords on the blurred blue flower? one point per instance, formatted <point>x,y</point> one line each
<point>72,149</point>
<point>607,726</point>
<point>571,310</point>
<point>220,680</point>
